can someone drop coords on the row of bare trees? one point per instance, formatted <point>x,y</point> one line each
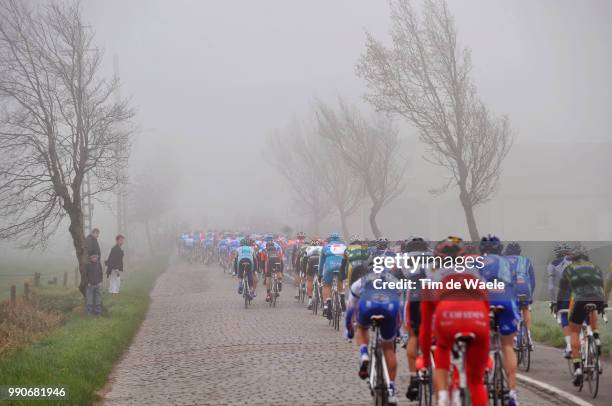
<point>334,158</point>
<point>424,78</point>
<point>59,122</point>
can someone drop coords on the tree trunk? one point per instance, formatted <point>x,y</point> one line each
<point>373,225</point>
<point>78,240</point>
<point>470,219</point>
<point>344,223</point>
<point>148,232</point>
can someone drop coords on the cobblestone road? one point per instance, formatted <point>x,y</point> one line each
<point>199,346</point>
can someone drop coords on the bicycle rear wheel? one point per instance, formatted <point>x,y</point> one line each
<point>592,373</point>
<point>380,389</point>
<point>245,293</point>
<point>315,301</point>
<point>524,351</point>
<point>425,391</point>
<point>498,381</point>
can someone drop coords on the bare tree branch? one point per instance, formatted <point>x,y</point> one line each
<point>425,77</point>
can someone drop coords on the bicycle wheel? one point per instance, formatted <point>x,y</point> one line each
<point>592,375</point>
<point>425,390</point>
<point>380,390</point>
<point>245,293</point>
<point>498,381</point>
<point>338,315</point>
<point>315,300</point>
<point>523,345</point>
<point>274,293</point>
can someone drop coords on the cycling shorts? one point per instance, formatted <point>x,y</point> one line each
<point>577,312</point>
<point>356,270</point>
<point>523,289</point>
<point>312,266</point>
<point>412,315</point>
<point>508,318</point>
<point>453,317</point>
<point>374,303</point>
<point>248,265</point>
<point>278,265</point>
<point>328,274</point>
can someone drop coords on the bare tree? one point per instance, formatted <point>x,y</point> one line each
<point>343,188</point>
<point>152,198</point>
<point>58,123</point>
<point>370,148</point>
<point>425,77</point>
<point>292,152</point>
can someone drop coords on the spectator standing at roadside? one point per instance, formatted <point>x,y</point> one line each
<point>114,266</point>
<point>93,291</point>
<point>92,248</point>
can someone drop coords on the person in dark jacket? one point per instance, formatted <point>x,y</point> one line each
<point>114,266</point>
<point>93,276</point>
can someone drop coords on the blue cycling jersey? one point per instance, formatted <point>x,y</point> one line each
<point>525,277</point>
<point>498,268</point>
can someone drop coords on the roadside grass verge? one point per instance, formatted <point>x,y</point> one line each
<point>546,330</point>
<point>80,354</point>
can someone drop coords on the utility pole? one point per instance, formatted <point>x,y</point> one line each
<point>121,175</point>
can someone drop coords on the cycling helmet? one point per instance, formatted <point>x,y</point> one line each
<point>513,248</point>
<point>333,236</point>
<point>578,252</point>
<point>491,244</point>
<point>315,242</point>
<point>355,239</point>
<point>415,244</point>
<point>382,243</point>
<point>301,235</point>
<point>244,242</point>
<point>562,249</point>
<point>270,244</point>
<point>449,248</point>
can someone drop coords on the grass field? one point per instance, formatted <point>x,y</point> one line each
<point>545,328</point>
<point>81,353</point>
<point>15,271</point>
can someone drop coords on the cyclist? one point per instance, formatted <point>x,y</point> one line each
<point>273,267</point>
<point>447,312</point>
<point>415,247</point>
<point>245,256</point>
<point>554,271</point>
<point>582,282</point>
<point>525,283</point>
<point>233,246</point>
<point>310,264</point>
<point>330,260</point>
<point>365,301</point>
<point>355,260</point>
<point>497,268</point>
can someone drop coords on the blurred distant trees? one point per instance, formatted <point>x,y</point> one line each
<point>293,152</point>
<point>59,122</point>
<point>424,76</point>
<point>368,148</point>
<point>152,198</point>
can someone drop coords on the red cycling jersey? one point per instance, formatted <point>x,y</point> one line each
<point>455,309</point>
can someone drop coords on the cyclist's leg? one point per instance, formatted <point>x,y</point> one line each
<point>388,331</point>
<point>477,355</point>
<point>508,324</point>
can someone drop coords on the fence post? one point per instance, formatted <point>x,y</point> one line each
<point>26,291</point>
<point>65,279</point>
<point>13,294</point>
<point>36,278</point>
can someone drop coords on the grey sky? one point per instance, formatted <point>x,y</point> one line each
<point>215,77</point>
